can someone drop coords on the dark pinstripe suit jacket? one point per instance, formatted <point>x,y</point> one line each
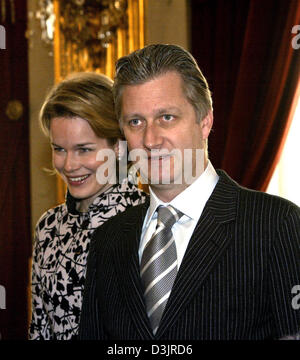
<point>234,282</point>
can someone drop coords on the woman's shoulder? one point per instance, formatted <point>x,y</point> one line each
<point>50,217</point>
<point>132,193</point>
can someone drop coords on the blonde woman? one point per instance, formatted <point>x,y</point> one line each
<point>79,119</point>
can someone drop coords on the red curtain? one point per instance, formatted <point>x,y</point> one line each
<point>15,233</point>
<point>244,49</point>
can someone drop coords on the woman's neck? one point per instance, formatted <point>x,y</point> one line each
<point>84,204</point>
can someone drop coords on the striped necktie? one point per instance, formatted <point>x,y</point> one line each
<point>159,265</point>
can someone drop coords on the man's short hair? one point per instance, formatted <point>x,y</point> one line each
<point>154,60</point>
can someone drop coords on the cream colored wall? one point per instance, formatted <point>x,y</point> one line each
<point>43,188</point>
<point>166,21</point>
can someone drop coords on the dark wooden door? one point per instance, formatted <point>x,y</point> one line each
<point>15,233</point>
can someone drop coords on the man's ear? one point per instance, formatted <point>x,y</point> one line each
<point>206,124</point>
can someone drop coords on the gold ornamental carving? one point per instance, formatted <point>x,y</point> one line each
<point>90,35</point>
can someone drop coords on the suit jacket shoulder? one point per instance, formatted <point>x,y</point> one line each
<point>229,191</point>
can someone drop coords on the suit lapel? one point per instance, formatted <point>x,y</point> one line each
<point>208,242</point>
<point>127,267</point>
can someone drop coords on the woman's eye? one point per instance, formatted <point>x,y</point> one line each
<point>85,150</point>
<point>58,149</point>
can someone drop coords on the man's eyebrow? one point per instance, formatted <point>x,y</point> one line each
<point>157,112</point>
<point>167,110</point>
<point>132,116</point>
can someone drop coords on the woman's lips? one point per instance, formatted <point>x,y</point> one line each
<point>77,180</point>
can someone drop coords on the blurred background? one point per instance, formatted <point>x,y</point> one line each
<point>248,50</point>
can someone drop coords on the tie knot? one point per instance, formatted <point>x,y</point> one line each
<point>168,215</point>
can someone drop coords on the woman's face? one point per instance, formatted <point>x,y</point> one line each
<point>74,150</point>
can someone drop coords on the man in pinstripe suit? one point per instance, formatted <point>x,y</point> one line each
<point>238,251</point>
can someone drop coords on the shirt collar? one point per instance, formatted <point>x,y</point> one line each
<point>71,202</point>
<point>192,200</point>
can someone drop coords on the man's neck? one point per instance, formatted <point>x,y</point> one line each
<point>167,193</point>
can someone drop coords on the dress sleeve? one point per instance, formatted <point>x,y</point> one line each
<point>39,328</point>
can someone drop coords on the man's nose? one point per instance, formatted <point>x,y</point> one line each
<point>153,138</point>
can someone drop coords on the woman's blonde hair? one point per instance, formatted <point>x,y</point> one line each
<point>86,95</point>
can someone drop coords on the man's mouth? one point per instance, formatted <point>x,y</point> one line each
<point>159,157</point>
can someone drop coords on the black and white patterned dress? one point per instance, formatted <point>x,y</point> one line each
<point>59,259</point>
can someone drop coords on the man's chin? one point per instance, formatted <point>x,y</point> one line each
<point>161,181</point>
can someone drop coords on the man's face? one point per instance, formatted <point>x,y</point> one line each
<point>156,117</point>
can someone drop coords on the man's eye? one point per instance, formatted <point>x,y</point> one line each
<point>134,122</point>
<point>168,117</point>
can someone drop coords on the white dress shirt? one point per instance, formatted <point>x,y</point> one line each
<point>190,202</point>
